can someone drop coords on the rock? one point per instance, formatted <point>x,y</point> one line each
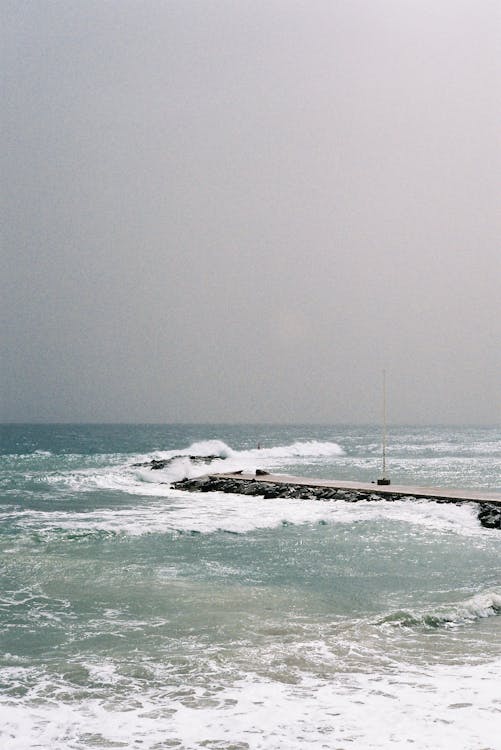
<point>155,464</point>
<point>247,488</point>
<point>273,492</point>
<point>352,497</point>
<point>489,515</point>
<point>325,494</point>
<point>304,493</point>
<point>160,463</point>
<point>196,484</point>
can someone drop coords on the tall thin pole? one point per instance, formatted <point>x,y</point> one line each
<point>384,479</point>
<point>384,424</point>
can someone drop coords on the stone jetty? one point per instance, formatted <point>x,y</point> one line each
<point>275,486</point>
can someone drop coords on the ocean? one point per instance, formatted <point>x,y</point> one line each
<point>133,615</point>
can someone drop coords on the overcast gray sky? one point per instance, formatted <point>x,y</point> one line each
<point>232,210</point>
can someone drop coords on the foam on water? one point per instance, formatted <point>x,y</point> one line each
<point>306,449</point>
<point>442,708</point>
<point>210,512</point>
<point>433,708</point>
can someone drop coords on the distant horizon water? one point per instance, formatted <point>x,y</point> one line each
<point>373,424</point>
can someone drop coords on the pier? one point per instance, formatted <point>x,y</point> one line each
<point>399,491</point>
<point>305,488</point>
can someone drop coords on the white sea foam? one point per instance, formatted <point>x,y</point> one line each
<point>302,449</point>
<point>213,511</point>
<point>103,671</point>
<point>440,708</point>
<point>227,459</point>
<point>200,448</point>
<point>436,708</point>
<point>308,449</point>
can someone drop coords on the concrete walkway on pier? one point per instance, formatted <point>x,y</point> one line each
<point>431,493</point>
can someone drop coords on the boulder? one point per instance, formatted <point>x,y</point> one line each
<point>489,515</point>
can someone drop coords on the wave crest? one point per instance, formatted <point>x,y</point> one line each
<point>219,449</point>
<point>307,449</point>
<point>469,611</point>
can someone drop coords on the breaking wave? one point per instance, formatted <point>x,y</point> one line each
<point>478,607</point>
<point>219,449</point>
<point>150,474</point>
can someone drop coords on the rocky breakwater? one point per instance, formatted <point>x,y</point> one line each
<point>156,464</point>
<point>489,514</point>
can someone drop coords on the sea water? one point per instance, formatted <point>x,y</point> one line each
<point>133,615</point>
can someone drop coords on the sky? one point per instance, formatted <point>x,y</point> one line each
<point>245,210</point>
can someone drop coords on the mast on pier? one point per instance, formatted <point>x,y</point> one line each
<point>384,479</point>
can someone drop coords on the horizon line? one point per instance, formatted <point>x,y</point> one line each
<point>9,423</point>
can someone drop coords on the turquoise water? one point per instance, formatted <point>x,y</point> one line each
<point>133,615</point>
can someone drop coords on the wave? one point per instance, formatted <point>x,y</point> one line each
<point>201,448</point>
<point>149,474</point>
<point>307,449</point>
<point>219,449</point>
<point>223,458</point>
<point>478,607</point>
